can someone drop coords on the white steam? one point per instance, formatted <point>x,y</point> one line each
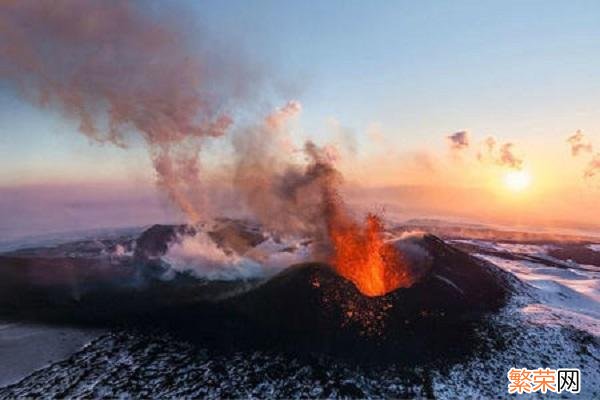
<point>200,256</point>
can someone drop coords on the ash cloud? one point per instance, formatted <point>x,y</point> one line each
<point>278,119</point>
<point>459,140</point>
<point>285,193</point>
<point>119,72</point>
<point>116,70</point>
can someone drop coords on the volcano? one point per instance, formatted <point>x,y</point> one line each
<point>305,307</point>
<point>311,307</point>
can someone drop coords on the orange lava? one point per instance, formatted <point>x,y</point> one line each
<point>362,256</point>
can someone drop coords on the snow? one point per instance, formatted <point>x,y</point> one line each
<point>515,248</point>
<point>547,315</point>
<point>525,343</point>
<point>137,364</point>
<point>554,323</point>
<point>524,248</point>
<point>581,283</point>
<point>594,247</point>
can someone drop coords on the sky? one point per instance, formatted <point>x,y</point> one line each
<point>387,81</point>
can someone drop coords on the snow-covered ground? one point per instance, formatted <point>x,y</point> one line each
<point>552,322</point>
<point>140,364</point>
<point>573,294</point>
<point>563,292</point>
<point>594,247</point>
<point>519,248</point>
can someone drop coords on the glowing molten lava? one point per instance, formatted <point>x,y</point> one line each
<point>362,256</point>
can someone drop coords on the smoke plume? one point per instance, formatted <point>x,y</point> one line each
<point>459,140</point>
<point>116,70</point>
<point>579,144</point>
<point>285,193</point>
<point>200,256</point>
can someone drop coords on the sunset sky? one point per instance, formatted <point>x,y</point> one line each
<point>387,83</point>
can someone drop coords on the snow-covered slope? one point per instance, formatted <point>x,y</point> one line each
<point>552,321</point>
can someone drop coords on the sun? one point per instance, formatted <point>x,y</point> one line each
<point>517,181</point>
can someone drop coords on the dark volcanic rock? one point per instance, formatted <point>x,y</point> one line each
<point>310,307</point>
<point>466,284</point>
<point>307,307</point>
<point>96,291</point>
<point>154,242</point>
<point>579,253</point>
<point>231,235</point>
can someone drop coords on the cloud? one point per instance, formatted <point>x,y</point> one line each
<point>508,157</point>
<point>424,161</point>
<point>281,116</point>
<point>579,144</point>
<point>593,167</point>
<point>459,140</point>
<point>489,146</point>
<point>490,150</point>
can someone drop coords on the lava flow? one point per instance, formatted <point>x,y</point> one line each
<point>362,256</point>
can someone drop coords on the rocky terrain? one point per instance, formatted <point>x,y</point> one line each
<point>479,308</point>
